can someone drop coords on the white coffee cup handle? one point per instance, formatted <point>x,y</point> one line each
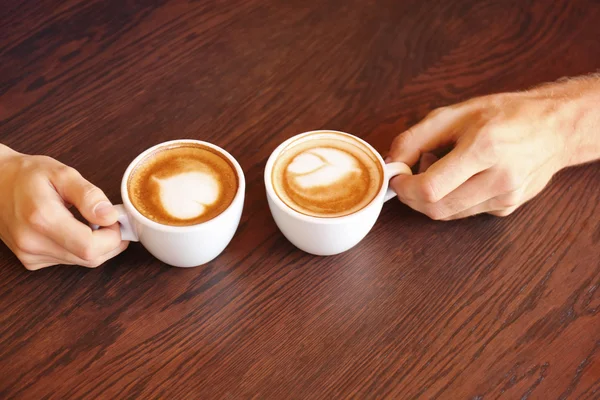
<point>391,170</point>
<point>127,228</point>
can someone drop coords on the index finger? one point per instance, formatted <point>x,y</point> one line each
<point>74,236</point>
<point>441,178</point>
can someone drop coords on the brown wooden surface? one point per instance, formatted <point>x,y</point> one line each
<point>482,308</point>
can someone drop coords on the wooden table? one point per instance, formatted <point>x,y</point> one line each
<point>474,309</point>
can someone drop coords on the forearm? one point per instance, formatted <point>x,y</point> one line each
<point>586,125</point>
<point>578,113</point>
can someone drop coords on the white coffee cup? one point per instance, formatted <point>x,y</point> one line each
<point>328,236</point>
<point>182,246</point>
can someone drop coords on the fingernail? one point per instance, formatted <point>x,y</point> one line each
<point>387,159</point>
<point>103,209</point>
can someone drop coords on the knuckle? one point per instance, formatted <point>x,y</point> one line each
<point>86,253</point>
<point>485,141</point>
<point>510,181</point>
<point>37,219</point>
<point>64,173</point>
<point>20,243</point>
<point>24,243</point>
<point>67,172</point>
<point>427,190</point>
<point>83,248</point>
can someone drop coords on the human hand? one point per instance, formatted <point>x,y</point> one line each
<point>35,222</point>
<point>506,148</point>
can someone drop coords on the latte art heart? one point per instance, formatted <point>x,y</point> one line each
<point>329,175</point>
<point>188,195</point>
<point>183,185</point>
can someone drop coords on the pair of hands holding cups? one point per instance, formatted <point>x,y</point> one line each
<point>506,148</point>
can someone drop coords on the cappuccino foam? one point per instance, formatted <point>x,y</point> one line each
<point>183,184</point>
<point>327,175</point>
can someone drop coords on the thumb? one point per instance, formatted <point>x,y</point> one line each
<point>437,130</point>
<point>91,202</point>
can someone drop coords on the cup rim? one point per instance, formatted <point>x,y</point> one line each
<point>139,217</point>
<point>321,220</point>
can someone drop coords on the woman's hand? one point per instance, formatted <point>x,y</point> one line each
<point>35,223</point>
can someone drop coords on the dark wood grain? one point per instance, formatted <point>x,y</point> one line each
<point>482,308</point>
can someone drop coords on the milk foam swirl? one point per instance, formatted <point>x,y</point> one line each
<point>322,167</point>
<point>328,176</point>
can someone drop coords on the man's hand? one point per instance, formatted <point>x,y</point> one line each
<point>505,149</point>
<point>35,223</point>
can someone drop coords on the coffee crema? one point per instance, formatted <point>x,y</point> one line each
<point>327,175</point>
<point>182,184</point>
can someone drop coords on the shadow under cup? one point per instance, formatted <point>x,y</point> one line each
<point>325,236</point>
<point>182,246</point>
